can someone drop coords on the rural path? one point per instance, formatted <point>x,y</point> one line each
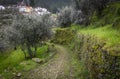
<point>57,68</point>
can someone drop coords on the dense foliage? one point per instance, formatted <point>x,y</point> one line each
<point>89,7</point>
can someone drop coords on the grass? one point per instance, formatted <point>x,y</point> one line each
<point>14,62</point>
<point>80,71</point>
<point>77,66</point>
<point>42,52</point>
<point>106,33</point>
<point>11,60</point>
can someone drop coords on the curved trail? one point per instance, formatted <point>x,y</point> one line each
<point>57,68</point>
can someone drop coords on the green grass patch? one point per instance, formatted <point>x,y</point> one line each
<point>42,52</point>
<point>14,61</point>
<point>106,33</point>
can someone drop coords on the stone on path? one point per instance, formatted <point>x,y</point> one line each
<point>37,60</point>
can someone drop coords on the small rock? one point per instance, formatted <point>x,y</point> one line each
<point>37,60</point>
<point>19,74</point>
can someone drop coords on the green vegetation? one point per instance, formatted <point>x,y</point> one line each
<point>15,62</point>
<point>110,15</point>
<point>63,36</point>
<point>106,33</point>
<point>80,72</point>
<point>12,59</point>
<point>105,27</point>
<point>96,51</point>
<point>96,47</point>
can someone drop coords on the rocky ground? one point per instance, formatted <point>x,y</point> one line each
<point>57,68</point>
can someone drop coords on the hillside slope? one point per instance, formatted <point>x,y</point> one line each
<point>99,48</point>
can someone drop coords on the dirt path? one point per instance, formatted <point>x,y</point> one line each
<point>56,68</point>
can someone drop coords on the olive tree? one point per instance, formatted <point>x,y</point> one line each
<point>69,15</point>
<point>3,42</point>
<point>28,32</point>
<point>64,17</point>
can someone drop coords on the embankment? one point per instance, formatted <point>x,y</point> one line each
<point>99,61</point>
